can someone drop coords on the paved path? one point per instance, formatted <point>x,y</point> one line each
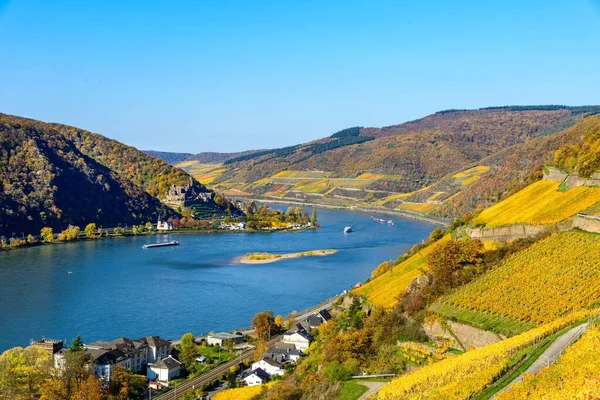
<point>373,388</point>
<point>551,354</point>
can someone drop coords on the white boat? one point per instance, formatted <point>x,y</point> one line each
<point>150,246</point>
<point>348,229</point>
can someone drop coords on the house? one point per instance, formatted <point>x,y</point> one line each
<point>221,337</point>
<point>315,320</point>
<point>105,362</point>
<point>201,359</point>
<point>164,370</point>
<point>136,350</point>
<point>284,355</point>
<point>256,377</point>
<point>157,348</point>
<point>50,345</point>
<point>164,225</point>
<point>299,338</point>
<point>269,365</point>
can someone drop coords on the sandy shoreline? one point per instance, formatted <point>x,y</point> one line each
<point>266,258</point>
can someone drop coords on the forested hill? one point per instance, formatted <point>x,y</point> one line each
<point>203,158</point>
<point>56,175</point>
<point>169,157</point>
<point>419,152</point>
<point>46,181</point>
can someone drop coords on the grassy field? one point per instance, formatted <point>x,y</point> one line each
<point>351,390</point>
<point>553,277</point>
<point>384,290</point>
<point>539,203</point>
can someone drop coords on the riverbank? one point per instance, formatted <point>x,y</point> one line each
<point>266,258</point>
<point>379,210</point>
<point>22,244</point>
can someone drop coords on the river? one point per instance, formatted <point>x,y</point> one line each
<point>116,288</point>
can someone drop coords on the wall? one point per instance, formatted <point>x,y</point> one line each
<point>572,179</point>
<point>469,337</point>
<point>587,223</point>
<point>506,233</point>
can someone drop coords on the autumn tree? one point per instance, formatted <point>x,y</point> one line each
<point>381,269</point>
<point>23,371</point>
<point>263,323</point>
<point>279,322</point>
<point>189,350</point>
<point>47,234</point>
<point>262,346</point>
<point>126,385</point>
<point>91,231</point>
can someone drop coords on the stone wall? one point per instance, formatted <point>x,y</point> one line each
<point>506,233</point>
<point>572,179</point>
<point>468,336</point>
<point>588,223</point>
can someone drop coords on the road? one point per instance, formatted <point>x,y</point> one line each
<point>179,391</point>
<point>373,388</point>
<point>551,354</point>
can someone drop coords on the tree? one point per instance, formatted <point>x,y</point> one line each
<point>47,234</point>
<point>76,344</point>
<point>262,323</point>
<point>313,218</point>
<point>189,350</point>
<point>23,371</point>
<point>381,269</point>
<point>91,230</point>
<point>126,385</point>
<point>262,346</point>
<point>279,322</point>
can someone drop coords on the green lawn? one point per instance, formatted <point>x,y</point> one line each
<point>351,391</point>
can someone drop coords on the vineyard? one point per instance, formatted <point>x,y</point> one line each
<point>465,375</point>
<point>384,290</point>
<point>575,376</point>
<point>553,277</point>
<point>471,175</point>
<point>539,203</point>
<point>244,393</point>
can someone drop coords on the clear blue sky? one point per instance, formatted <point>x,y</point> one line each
<point>233,75</point>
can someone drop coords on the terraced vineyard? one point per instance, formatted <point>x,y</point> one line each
<point>539,203</point>
<point>553,277</point>
<point>204,173</point>
<point>575,376</point>
<point>384,290</point>
<point>465,375</point>
<point>471,175</point>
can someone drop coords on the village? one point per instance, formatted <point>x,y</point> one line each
<point>158,359</point>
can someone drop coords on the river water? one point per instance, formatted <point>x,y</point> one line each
<point>116,288</point>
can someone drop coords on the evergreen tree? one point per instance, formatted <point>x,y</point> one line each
<point>313,218</point>
<point>76,344</point>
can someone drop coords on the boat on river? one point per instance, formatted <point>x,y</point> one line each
<point>171,243</point>
<point>348,229</point>
<point>385,221</point>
